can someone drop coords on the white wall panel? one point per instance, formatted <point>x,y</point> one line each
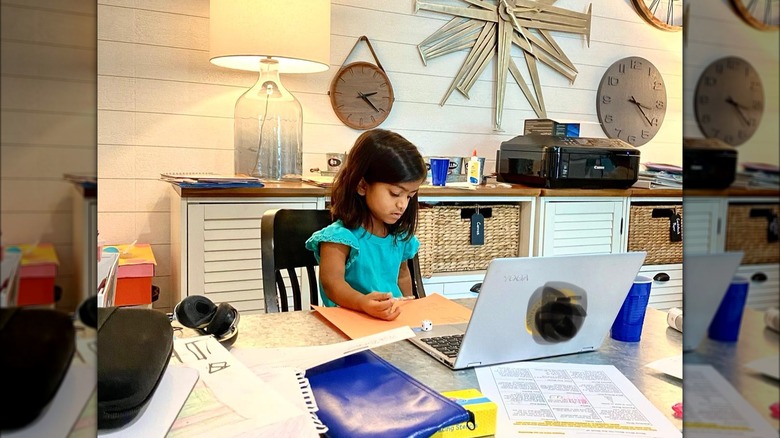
<point>717,32</point>
<point>164,107</point>
<point>47,114</point>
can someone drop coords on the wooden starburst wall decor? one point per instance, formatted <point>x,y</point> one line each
<point>488,29</point>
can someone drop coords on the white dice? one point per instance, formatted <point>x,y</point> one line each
<point>427,325</point>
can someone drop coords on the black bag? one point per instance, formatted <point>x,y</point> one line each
<point>134,347</point>
<point>37,347</point>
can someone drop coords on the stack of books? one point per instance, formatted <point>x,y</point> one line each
<point>758,175</point>
<point>660,176</point>
<point>208,180</point>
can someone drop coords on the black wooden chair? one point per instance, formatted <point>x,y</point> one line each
<point>283,234</point>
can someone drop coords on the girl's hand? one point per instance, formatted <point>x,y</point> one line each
<point>379,305</point>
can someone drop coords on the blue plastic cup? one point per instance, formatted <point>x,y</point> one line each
<point>439,169</point>
<point>727,320</point>
<point>628,324</point>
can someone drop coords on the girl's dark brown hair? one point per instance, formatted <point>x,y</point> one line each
<point>377,156</point>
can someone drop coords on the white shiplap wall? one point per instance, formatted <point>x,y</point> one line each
<point>162,106</point>
<point>716,32</point>
<point>47,115</point>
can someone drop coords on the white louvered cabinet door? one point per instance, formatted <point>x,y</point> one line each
<point>667,288</point>
<point>582,227</point>
<point>704,225</point>
<point>223,253</point>
<point>764,284</point>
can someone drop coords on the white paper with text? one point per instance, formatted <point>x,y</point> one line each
<point>254,407</point>
<point>570,400</point>
<point>716,409</point>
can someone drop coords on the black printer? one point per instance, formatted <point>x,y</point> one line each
<point>708,163</point>
<point>574,162</point>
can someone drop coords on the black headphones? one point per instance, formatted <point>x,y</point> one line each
<point>87,312</point>
<point>200,313</point>
<point>556,312</point>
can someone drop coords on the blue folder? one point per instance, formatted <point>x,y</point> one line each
<point>362,395</point>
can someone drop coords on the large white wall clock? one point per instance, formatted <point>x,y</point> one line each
<point>488,29</point>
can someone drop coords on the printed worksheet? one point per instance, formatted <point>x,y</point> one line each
<point>570,400</point>
<point>715,408</point>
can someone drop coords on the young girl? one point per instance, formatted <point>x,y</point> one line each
<point>363,254</point>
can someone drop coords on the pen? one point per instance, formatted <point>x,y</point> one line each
<point>31,248</point>
<point>129,247</point>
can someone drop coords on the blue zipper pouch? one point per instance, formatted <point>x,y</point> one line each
<point>363,395</point>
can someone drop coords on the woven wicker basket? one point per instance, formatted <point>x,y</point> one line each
<point>445,238</point>
<point>749,234</point>
<point>651,234</point>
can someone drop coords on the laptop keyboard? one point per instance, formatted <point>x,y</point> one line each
<point>447,345</point>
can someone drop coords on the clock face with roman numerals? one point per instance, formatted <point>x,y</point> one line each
<point>361,95</point>
<point>729,100</point>
<point>631,100</point>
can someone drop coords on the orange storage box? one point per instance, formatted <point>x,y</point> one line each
<point>134,275</point>
<point>37,271</point>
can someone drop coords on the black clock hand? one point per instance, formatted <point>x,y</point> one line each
<point>368,94</point>
<point>735,103</point>
<point>368,101</point>
<point>739,108</point>
<point>639,106</point>
<point>637,102</point>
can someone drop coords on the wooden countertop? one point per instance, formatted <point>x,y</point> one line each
<point>300,189</point>
<point>629,192</point>
<point>491,189</point>
<point>734,192</point>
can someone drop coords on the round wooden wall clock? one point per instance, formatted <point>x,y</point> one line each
<point>360,93</point>
<point>729,100</point>
<point>761,14</point>
<point>663,14</point>
<point>631,100</point>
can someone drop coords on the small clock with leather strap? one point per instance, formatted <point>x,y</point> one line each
<point>729,100</point>
<point>631,100</point>
<point>361,93</point>
<point>663,14</point>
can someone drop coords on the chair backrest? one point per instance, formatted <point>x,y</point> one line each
<point>283,234</point>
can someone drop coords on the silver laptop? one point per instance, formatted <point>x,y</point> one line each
<point>534,307</point>
<point>706,278</point>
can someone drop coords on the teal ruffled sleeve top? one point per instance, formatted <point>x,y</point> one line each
<point>373,262</point>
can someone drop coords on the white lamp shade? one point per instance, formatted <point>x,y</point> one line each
<point>294,32</point>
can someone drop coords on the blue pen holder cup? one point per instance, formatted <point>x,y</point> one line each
<point>439,169</point>
<point>628,323</point>
<point>727,320</point>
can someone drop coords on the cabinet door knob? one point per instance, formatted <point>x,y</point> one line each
<point>661,276</point>
<point>476,287</point>
<point>758,277</point>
